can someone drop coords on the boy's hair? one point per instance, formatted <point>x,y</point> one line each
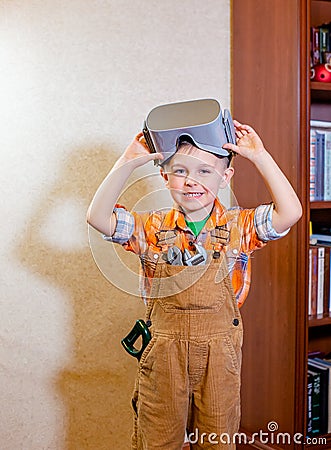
<point>188,141</point>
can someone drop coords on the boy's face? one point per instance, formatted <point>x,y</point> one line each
<point>194,178</point>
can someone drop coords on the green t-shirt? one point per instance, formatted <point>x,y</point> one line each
<point>196,227</point>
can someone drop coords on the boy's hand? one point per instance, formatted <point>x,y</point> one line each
<point>101,210</point>
<point>137,153</point>
<point>287,208</point>
<point>249,144</point>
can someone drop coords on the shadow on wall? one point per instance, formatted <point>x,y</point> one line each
<point>96,385</point>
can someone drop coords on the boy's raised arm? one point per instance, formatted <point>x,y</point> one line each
<point>288,208</point>
<point>100,212</point>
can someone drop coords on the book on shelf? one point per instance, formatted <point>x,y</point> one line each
<point>324,35</point>
<point>314,426</point>
<point>319,378</point>
<point>319,280</point>
<point>310,281</point>
<point>320,44</point>
<point>322,366</point>
<point>310,385</point>
<point>313,273</point>
<point>319,238</point>
<point>312,175</point>
<point>320,161</point>
<point>327,281</point>
<point>318,354</point>
<point>315,46</point>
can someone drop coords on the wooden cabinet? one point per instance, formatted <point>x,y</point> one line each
<point>272,91</point>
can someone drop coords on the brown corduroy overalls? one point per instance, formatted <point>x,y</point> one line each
<point>189,374</point>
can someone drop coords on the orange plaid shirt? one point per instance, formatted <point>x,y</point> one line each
<point>249,230</point>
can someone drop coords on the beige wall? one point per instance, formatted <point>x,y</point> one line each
<point>76,81</point>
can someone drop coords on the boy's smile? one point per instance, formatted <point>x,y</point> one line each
<point>194,178</point>
<point>193,194</point>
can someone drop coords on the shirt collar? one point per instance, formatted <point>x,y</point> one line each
<point>217,216</point>
<point>176,219</point>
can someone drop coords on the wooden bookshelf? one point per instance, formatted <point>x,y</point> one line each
<point>272,91</point>
<point>320,205</point>
<point>320,92</point>
<point>318,86</point>
<point>319,320</point>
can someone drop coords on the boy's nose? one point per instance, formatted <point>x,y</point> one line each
<point>190,181</point>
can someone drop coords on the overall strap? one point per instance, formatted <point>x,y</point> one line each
<point>166,238</point>
<point>219,238</point>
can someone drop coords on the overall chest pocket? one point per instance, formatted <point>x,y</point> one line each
<point>188,288</point>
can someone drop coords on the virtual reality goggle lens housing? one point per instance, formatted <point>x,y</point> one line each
<point>198,121</point>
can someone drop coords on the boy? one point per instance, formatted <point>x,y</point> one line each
<point>189,373</point>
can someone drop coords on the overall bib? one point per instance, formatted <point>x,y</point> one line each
<point>189,374</point>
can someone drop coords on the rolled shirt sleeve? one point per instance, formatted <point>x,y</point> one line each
<point>263,223</point>
<point>124,226</point>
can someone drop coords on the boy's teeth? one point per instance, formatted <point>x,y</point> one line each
<point>193,194</point>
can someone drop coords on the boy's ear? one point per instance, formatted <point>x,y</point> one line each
<point>164,175</point>
<point>228,174</point>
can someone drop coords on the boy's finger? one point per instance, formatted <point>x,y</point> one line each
<point>142,140</point>
<point>240,126</point>
<point>248,128</point>
<point>139,135</point>
<point>153,156</point>
<point>236,123</point>
<point>232,147</point>
<point>157,156</point>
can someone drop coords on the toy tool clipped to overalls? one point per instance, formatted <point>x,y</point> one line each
<point>176,258</point>
<point>140,329</point>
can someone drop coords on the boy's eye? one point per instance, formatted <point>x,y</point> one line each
<point>205,171</point>
<point>179,172</point>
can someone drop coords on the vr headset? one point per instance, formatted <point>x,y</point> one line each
<point>200,122</point>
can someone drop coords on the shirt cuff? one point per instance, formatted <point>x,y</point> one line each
<point>124,227</point>
<point>263,223</point>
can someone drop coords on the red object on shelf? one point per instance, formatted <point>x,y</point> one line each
<point>321,72</point>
